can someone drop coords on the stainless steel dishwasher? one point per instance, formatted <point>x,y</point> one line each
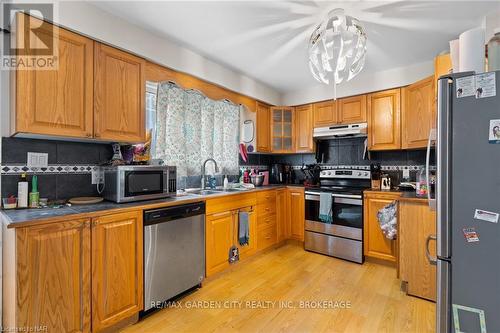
<point>174,252</point>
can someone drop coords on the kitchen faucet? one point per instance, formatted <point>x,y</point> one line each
<point>203,179</point>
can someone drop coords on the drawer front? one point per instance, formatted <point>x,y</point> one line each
<point>266,237</point>
<point>266,196</point>
<point>266,208</point>
<point>266,221</point>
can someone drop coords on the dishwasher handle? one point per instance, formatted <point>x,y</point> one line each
<point>162,215</point>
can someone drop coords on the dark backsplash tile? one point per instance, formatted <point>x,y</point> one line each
<point>46,185</point>
<point>78,185</point>
<point>77,153</point>
<point>15,150</point>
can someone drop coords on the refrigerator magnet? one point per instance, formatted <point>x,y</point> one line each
<point>494,131</point>
<point>466,86</point>
<point>484,215</point>
<point>486,85</point>
<point>456,319</point>
<point>470,235</point>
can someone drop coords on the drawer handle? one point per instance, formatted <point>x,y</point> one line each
<point>268,209</point>
<point>268,236</point>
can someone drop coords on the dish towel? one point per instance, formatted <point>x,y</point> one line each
<point>243,228</point>
<point>325,207</point>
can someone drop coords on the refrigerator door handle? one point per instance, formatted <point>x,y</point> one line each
<point>432,260</point>
<point>432,137</point>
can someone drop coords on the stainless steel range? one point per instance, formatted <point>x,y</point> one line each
<point>343,236</point>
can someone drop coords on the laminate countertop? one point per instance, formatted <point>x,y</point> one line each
<point>403,195</point>
<point>24,217</point>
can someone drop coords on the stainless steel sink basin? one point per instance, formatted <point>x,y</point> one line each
<point>205,192</point>
<point>215,191</point>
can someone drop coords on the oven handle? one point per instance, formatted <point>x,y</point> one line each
<point>335,195</point>
<point>341,198</point>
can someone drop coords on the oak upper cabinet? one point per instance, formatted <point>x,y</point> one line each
<point>219,239</point>
<point>295,208</point>
<point>263,128</point>
<point>384,120</point>
<point>442,66</point>
<point>117,268</point>
<point>56,102</point>
<point>119,93</point>
<point>325,114</point>
<point>376,245</point>
<point>418,114</point>
<point>282,129</point>
<point>416,223</point>
<point>304,129</point>
<point>53,276</point>
<point>352,109</point>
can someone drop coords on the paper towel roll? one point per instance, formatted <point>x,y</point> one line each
<point>471,50</point>
<point>455,55</point>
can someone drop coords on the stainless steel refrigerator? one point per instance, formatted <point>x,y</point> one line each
<point>468,203</point>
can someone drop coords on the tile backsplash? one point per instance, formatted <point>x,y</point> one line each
<point>70,165</point>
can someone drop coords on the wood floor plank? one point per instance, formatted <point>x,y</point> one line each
<point>294,277</point>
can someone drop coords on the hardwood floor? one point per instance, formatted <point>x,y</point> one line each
<point>292,275</point>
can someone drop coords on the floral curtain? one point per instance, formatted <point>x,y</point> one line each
<point>191,128</point>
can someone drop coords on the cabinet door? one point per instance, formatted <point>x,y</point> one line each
<point>249,249</point>
<point>375,243</point>
<point>296,211</point>
<point>281,220</point>
<point>304,129</point>
<point>325,114</point>
<point>219,239</point>
<point>416,223</point>
<point>384,123</point>
<point>442,66</point>
<point>352,109</point>
<point>53,276</point>
<point>282,129</point>
<point>117,262</point>
<point>263,127</point>
<point>418,113</point>
<point>119,92</point>
<point>57,102</point>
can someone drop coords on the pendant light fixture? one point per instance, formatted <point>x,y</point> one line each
<point>337,49</point>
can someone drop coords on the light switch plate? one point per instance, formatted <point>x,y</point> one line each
<point>37,160</point>
<point>98,176</point>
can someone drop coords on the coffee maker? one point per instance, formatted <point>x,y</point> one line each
<point>281,173</point>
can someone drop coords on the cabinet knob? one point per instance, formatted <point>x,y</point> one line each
<point>88,135</point>
<point>97,135</point>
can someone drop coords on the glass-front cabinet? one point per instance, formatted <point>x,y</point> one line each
<point>282,129</point>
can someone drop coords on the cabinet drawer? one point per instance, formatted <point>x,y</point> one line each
<point>266,208</point>
<point>266,197</point>
<point>266,221</point>
<point>266,237</point>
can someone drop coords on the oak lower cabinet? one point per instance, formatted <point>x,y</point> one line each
<point>416,223</point>
<point>418,114</point>
<point>53,278</point>
<point>304,129</point>
<point>117,268</point>
<point>267,227</point>
<point>376,245</point>
<point>295,209</point>
<point>77,275</point>
<point>384,120</point>
<point>283,225</point>
<point>263,127</point>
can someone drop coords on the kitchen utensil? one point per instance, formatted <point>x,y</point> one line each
<point>257,180</point>
<point>243,152</point>
<point>85,200</point>
<point>266,177</point>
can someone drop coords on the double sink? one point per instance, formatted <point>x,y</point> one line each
<point>216,191</point>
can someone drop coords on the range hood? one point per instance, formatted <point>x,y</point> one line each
<point>340,131</point>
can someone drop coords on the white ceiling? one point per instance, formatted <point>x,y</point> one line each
<point>267,40</point>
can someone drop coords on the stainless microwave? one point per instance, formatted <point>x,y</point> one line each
<point>127,183</point>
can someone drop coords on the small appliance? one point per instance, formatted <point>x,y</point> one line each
<point>127,183</point>
<point>281,173</point>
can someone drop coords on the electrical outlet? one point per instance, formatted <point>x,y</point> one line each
<point>406,174</point>
<point>98,176</point>
<point>37,160</point>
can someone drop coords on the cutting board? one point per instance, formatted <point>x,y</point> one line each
<point>85,200</point>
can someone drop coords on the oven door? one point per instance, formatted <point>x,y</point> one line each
<point>347,215</point>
